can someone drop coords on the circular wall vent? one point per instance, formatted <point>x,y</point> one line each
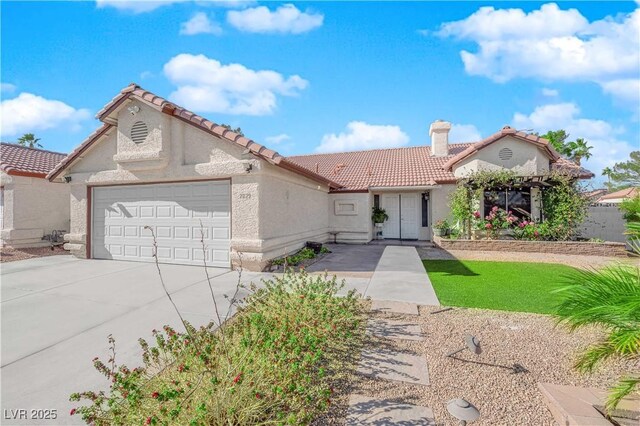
<point>505,154</point>
<point>139,132</point>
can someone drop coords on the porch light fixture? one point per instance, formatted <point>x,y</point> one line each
<point>67,179</point>
<point>248,167</point>
<point>463,410</point>
<point>472,343</point>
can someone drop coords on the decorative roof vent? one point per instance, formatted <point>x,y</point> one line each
<point>505,154</point>
<point>139,132</point>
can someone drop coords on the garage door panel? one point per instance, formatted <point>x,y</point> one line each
<point>178,214</point>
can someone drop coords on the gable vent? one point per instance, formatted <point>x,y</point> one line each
<point>139,132</point>
<point>505,154</point>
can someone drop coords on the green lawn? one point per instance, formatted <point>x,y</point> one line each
<point>506,286</point>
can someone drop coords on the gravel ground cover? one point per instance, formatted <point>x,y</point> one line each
<point>507,338</point>
<point>10,254</point>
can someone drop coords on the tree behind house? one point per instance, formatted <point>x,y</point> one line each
<point>237,130</point>
<point>624,174</point>
<point>29,140</point>
<point>573,150</point>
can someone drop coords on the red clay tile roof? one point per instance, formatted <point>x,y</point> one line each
<point>20,160</point>
<point>359,170</point>
<point>413,166</point>
<point>623,193</point>
<point>135,91</point>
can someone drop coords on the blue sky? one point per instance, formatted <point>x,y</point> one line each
<point>326,76</point>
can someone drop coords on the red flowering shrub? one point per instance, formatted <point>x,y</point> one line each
<point>275,362</point>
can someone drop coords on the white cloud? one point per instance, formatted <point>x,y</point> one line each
<point>146,74</point>
<point>277,139</point>
<point>206,85</point>
<point>464,133</point>
<point>606,139</point>
<point>285,19</point>
<point>549,44</point>
<point>625,90</point>
<point>200,24</point>
<point>7,87</point>
<point>551,93</point>
<point>136,6</point>
<point>28,112</point>
<point>360,135</point>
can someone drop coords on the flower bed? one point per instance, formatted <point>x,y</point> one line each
<point>301,259</point>
<point>556,247</point>
<point>275,362</point>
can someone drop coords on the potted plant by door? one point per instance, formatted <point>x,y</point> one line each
<point>441,228</point>
<point>379,216</point>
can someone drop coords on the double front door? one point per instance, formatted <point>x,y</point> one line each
<point>404,214</point>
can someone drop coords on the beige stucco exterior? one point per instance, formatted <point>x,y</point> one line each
<point>33,207</point>
<point>273,211</point>
<point>526,159</point>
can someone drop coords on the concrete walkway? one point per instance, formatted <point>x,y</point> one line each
<point>400,276</point>
<point>383,361</point>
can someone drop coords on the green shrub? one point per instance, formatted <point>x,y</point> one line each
<point>324,250</point>
<point>274,363</point>
<point>631,209</point>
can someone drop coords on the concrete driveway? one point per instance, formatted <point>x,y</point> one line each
<point>58,311</point>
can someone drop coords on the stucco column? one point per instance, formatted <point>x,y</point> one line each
<point>245,223</point>
<point>77,236</point>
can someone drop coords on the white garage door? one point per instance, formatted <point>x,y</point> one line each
<point>175,212</point>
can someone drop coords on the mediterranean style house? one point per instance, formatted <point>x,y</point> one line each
<point>156,169</point>
<point>30,206</point>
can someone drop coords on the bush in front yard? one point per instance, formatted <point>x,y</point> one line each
<point>274,362</point>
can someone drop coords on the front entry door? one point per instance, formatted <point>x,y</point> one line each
<point>391,204</point>
<point>409,216</point>
<point>403,212</point>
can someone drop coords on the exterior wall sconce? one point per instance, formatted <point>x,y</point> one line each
<point>67,179</point>
<point>248,168</point>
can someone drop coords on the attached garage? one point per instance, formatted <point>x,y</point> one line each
<point>179,214</point>
<point>153,163</point>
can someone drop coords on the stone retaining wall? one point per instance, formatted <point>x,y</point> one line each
<point>557,247</point>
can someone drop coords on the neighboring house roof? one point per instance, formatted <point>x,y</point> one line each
<point>595,194</point>
<point>135,91</point>
<point>360,170</point>
<point>623,193</point>
<point>23,161</point>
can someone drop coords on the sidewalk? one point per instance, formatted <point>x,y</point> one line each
<point>401,277</point>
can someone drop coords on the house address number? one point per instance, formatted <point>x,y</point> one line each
<point>244,196</point>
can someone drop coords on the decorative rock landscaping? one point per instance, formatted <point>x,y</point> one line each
<point>487,380</point>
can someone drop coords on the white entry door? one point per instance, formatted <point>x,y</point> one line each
<point>179,214</point>
<point>391,204</point>
<point>409,208</point>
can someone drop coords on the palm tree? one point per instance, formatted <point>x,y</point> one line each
<point>607,171</point>
<point>579,149</point>
<point>609,298</point>
<point>29,140</point>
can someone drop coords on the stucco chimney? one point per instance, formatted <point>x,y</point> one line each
<point>439,132</point>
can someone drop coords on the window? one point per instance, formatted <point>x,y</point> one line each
<point>376,201</point>
<point>425,210</point>
<point>518,201</point>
